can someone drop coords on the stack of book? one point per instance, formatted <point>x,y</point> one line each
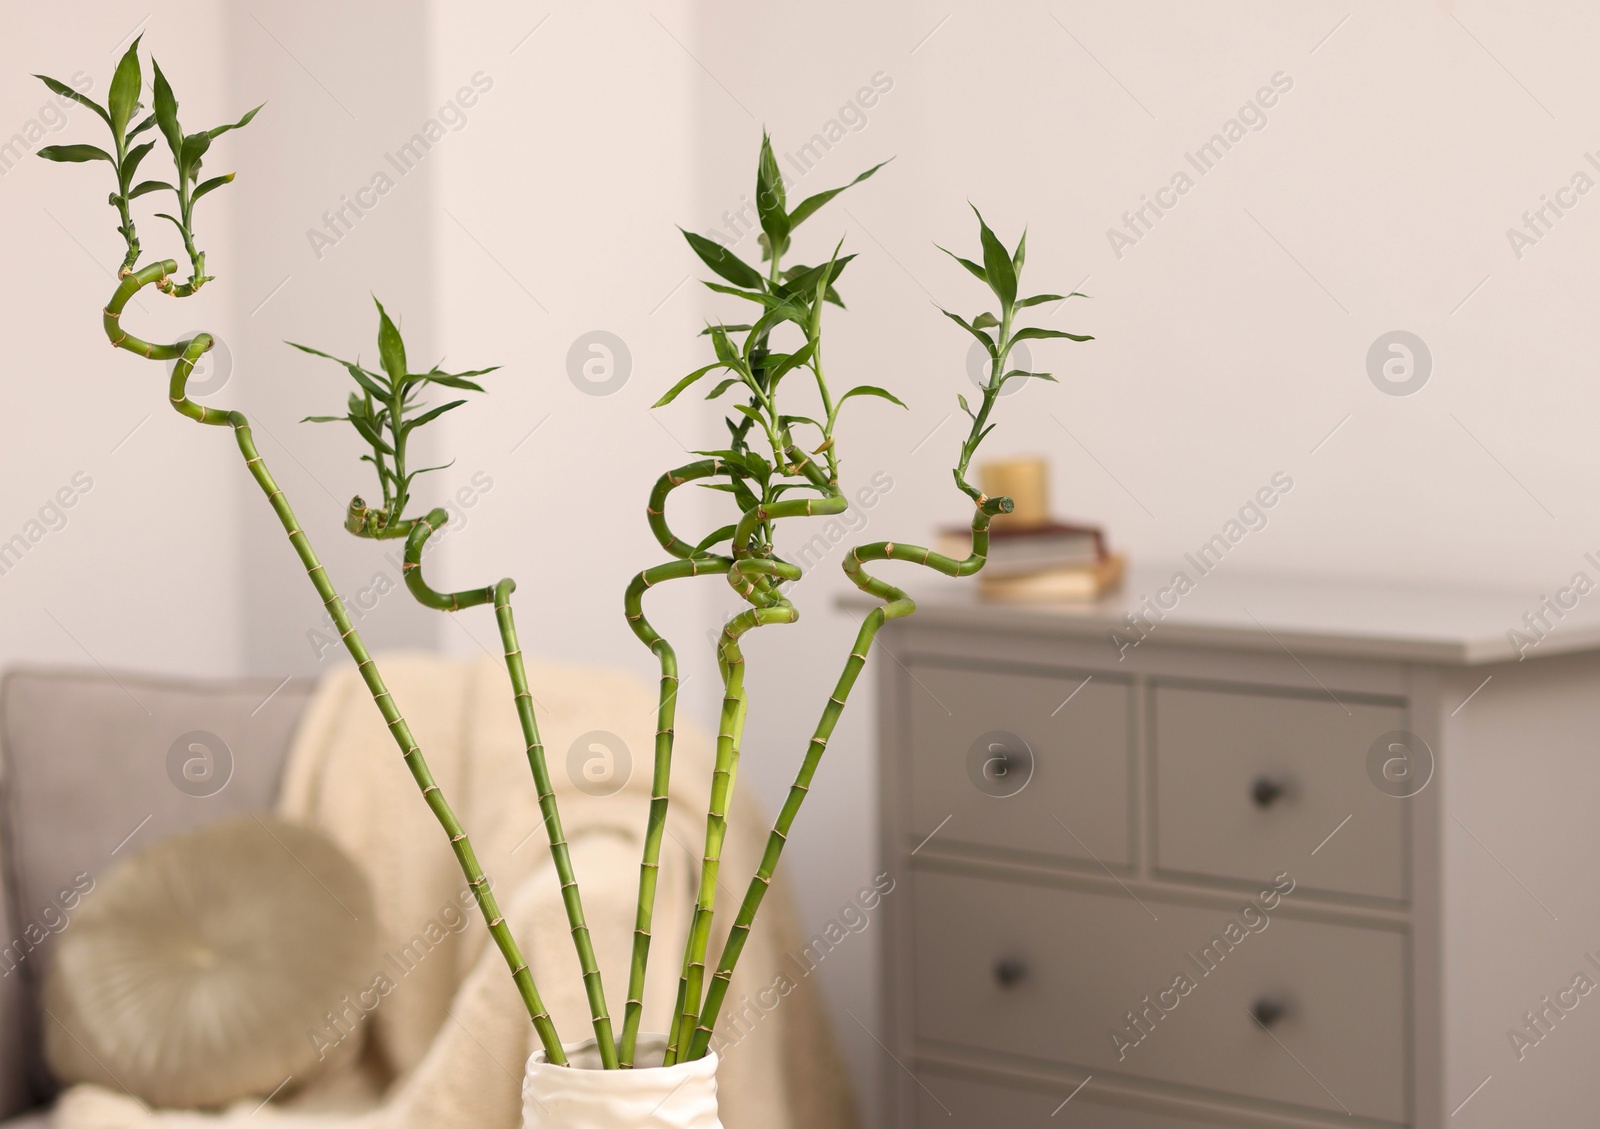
<point>1040,563</point>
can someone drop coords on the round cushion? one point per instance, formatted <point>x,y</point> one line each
<point>196,971</point>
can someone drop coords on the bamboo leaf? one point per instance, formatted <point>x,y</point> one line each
<point>434,374</point>
<point>76,153</point>
<point>391,349</point>
<point>771,204</point>
<point>165,111</point>
<point>789,361</point>
<point>457,381</point>
<point>214,183</point>
<point>369,431</point>
<point>977,271</point>
<point>149,120</point>
<point>962,400</point>
<point>997,266</point>
<point>190,156</point>
<point>1040,299</point>
<point>370,383</point>
<point>744,496</point>
<point>807,207</point>
<point>1035,333</point>
<point>316,352</point>
<point>1025,372</point>
<point>803,280</point>
<point>130,163</point>
<point>724,262</point>
<point>1020,253</point>
<point>58,87</point>
<point>150,186</point>
<point>725,350</point>
<point>777,315</point>
<point>428,417</point>
<point>672,393</point>
<point>985,320</point>
<point>751,295</point>
<point>723,387</point>
<point>218,130</point>
<point>988,342</point>
<point>326,419</point>
<point>723,534</point>
<point>872,390</point>
<point>124,96</point>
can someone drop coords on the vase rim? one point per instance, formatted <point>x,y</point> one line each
<point>584,1063</point>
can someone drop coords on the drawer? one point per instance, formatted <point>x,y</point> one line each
<point>1054,974</point>
<point>1002,759</point>
<point>947,1102</point>
<point>1213,748</point>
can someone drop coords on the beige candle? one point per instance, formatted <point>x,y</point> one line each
<point>1027,482</point>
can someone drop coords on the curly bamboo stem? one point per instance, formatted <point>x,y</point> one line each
<point>898,603</point>
<point>743,576</point>
<point>500,595</point>
<point>666,715</point>
<point>187,353</point>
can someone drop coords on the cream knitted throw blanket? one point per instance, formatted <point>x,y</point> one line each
<point>445,1044</point>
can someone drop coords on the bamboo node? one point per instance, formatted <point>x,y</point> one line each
<point>496,921</point>
<point>457,839</point>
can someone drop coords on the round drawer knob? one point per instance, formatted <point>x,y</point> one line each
<point>1266,791</point>
<point>1009,972</point>
<point>1268,1011</point>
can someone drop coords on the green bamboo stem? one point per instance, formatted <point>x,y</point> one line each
<point>656,509</point>
<point>500,594</point>
<point>690,564</point>
<point>187,353</point>
<point>898,603</point>
<point>666,715</point>
<point>743,577</point>
<point>722,778</point>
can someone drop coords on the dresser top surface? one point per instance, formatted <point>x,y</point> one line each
<point>1410,622</point>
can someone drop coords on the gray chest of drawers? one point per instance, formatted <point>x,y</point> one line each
<point>1283,855</point>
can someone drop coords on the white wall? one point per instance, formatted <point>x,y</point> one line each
<point>343,93</point>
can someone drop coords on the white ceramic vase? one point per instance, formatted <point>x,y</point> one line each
<point>583,1096</point>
